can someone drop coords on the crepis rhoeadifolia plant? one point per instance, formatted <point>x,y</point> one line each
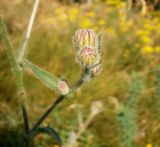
<point>88,55</point>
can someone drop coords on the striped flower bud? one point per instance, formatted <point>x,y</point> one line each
<point>87,57</point>
<point>85,38</point>
<point>87,44</point>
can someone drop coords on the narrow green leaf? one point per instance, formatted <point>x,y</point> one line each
<point>48,79</point>
<point>50,131</point>
<point>25,118</point>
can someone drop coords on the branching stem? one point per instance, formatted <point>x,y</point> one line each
<point>86,74</point>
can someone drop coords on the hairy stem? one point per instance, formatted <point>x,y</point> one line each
<point>82,80</point>
<point>16,69</point>
<point>54,104</point>
<point>14,66</point>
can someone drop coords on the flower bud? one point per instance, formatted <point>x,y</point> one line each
<point>87,57</point>
<point>63,87</point>
<point>85,38</point>
<point>87,44</point>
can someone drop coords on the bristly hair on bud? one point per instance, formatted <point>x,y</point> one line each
<point>88,52</point>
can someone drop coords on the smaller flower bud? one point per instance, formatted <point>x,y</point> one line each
<point>63,87</point>
<point>87,57</point>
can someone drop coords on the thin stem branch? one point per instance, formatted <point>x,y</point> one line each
<point>54,104</point>
<point>22,50</point>
<point>82,80</point>
<point>85,125</point>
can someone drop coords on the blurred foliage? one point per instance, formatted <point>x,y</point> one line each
<point>127,116</point>
<point>131,42</point>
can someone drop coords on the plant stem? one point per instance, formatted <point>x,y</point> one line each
<point>55,103</point>
<point>25,118</point>
<point>82,80</point>
<point>22,49</point>
<point>14,66</point>
<point>16,69</point>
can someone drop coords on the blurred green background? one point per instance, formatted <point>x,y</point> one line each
<point>131,43</point>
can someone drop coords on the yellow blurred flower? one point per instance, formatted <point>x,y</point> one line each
<point>125,25</point>
<point>56,146</point>
<point>86,23</point>
<point>101,22</point>
<point>90,14</point>
<point>144,35</point>
<point>113,2</point>
<point>146,39</point>
<point>142,32</point>
<point>157,49</point>
<point>149,145</point>
<point>149,26</point>
<point>73,14</point>
<point>156,20</point>
<point>110,31</point>
<point>148,49</point>
<point>73,11</point>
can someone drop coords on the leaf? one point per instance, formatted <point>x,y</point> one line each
<point>47,130</point>
<point>25,118</point>
<point>46,78</point>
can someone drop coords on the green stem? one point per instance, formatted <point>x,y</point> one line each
<point>25,118</point>
<point>48,111</point>
<point>86,74</point>
<point>16,69</point>
<point>14,66</point>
